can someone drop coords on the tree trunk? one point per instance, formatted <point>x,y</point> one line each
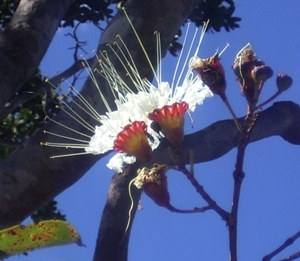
<point>25,40</point>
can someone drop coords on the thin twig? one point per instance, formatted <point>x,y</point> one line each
<point>192,155</point>
<point>292,257</point>
<point>190,211</point>
<point>287,243</point>
<point>238,176</point>
<point>199,188</point>
<point>78,43</point>
<point>268,100</point>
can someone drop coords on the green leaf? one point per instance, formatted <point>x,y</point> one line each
<point>19,239</point>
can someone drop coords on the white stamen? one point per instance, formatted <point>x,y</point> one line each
<point>224,49</point>
<point>131,106</point>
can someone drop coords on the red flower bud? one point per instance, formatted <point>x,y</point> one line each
<point>261,73</point>
<point>212,73</point>
<point>251,73</point>
<point>283,82</point>
<point>154,183</point>
<point>158,192</point>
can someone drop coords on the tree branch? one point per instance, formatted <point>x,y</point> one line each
<point>199,188</point>
<point>25,41</point>
<point>286,244</point>
<point>44,87</point>
<point>112,242</point>
<point>238,177</point>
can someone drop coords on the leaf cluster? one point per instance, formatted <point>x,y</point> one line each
<point>218,12</point>
<point>27,117</point>
<point>83,11</point>
<point>47,212</point>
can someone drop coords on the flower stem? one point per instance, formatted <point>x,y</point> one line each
<point>238,176</point>
<point>225,100</point>
<point>269,100</point>
<point>199,188</point>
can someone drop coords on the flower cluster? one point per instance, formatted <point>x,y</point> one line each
<point>127,130</point>
<point>131,122</point>
<point>252,73</point>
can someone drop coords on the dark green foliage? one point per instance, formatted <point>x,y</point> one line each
<point>81,11</point>
<point>219,12</point>
<point>7,9</point>
<point>22,121</point>
<point>87,11</point>
<point>47,212</point>
<point>175,46</point>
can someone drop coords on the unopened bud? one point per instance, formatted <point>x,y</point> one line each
<point>283,82</point>
<point>261,73</point>
<point>212,73</point>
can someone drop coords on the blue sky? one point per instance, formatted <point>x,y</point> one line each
<point>269,207</point>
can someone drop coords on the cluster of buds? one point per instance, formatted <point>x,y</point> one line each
<point>253,73</point>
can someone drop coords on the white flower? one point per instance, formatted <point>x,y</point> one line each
<point>131,107</point>
<point>116,163</point>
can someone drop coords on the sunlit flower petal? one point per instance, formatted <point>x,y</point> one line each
<point>171,119</point>
<point>133,140</point>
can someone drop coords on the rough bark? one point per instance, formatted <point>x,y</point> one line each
<point>25,41</point>
<point>112,241</point>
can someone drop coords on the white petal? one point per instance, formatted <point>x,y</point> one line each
<point>102,141</point>
<point>118,161</point>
